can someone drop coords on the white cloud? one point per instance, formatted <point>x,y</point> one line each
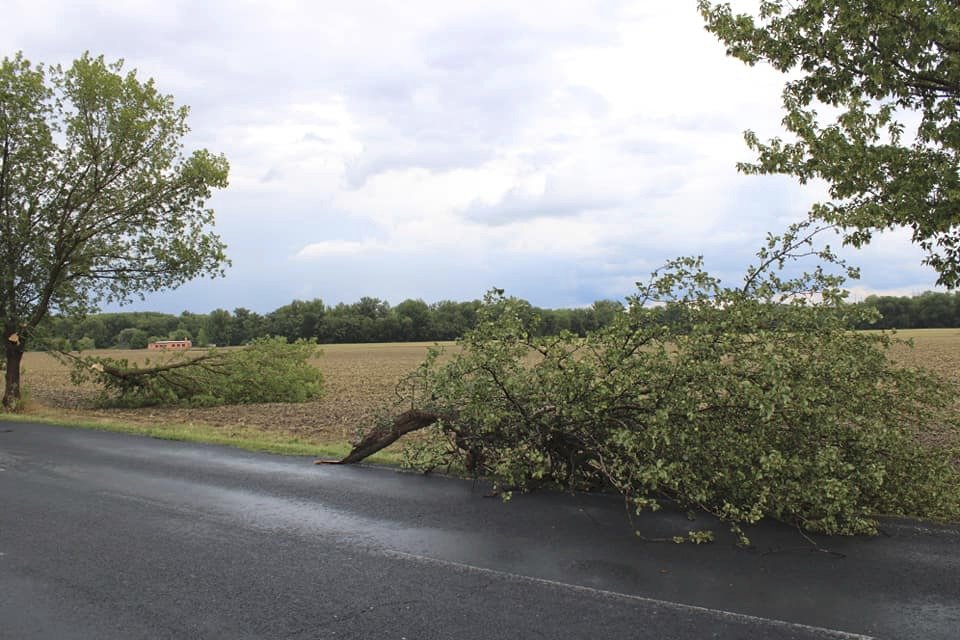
<point>434,149</point>
<point>548,197</point>
<point>341,248</point>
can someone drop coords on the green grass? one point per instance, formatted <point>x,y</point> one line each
<point>246,439</point>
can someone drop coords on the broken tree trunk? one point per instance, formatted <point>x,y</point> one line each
<point>133,373</point>
<point>385,435</point>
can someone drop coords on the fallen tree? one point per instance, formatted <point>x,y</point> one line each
<point>267,370</point>
<point>747,402</point>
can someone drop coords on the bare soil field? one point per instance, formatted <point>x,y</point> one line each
<point>937,350</point>
<point>360,381</point>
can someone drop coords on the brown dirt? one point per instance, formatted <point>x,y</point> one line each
<point>359,381</point>
<point>934,349</point>
<point>939,351</point>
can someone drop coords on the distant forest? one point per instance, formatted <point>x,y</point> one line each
<point>375,320</point>
<point>368,320</point>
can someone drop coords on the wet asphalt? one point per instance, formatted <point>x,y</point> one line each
<point>114,536</point>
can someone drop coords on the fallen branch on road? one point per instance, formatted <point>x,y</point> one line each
<point>384,435</point>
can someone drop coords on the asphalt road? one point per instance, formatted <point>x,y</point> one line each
<point>110,536</point>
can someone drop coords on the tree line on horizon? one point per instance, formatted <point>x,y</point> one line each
<point>366,321</point>
<point>374,320</point>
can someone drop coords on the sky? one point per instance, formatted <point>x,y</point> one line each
<point>561,150</point>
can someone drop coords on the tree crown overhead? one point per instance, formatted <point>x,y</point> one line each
<point>890,72</point>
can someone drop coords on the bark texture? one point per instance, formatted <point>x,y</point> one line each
<point>13,352</point>
<point>385,435</point>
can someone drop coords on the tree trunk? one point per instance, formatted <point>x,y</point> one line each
<point>11,390</point>
<point>385,435</point>
<point>133,374</point>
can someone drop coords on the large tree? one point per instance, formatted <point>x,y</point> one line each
<point>97,201</point>
<point>888,73</point>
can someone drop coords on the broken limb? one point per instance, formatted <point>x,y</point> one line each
<point>384,435</point>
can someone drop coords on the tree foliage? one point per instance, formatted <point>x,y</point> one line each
<point>267,370</point>
<point>746,402</point>
<point>368,320</point>
<point>890,70</point>
<point>97,202</point>
<point>929,310</point>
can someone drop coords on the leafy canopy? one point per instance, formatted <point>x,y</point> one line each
<point>745,402</point>
<point>888,72</point>
<point>97,201</point>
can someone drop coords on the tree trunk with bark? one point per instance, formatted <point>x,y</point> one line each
<point>13,352</point>
<point>384,435</point>
<point>135,373</point>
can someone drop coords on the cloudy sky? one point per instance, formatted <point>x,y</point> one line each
<point>559,149</point>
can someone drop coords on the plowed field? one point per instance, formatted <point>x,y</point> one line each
<point>359,381</point>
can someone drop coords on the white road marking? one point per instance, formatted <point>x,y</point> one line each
<point>730,615</point>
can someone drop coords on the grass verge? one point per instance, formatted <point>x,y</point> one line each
<point>241,438</point>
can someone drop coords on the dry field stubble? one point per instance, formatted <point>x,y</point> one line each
<point>359,381</point>
<point>935,349</point>
<point>939,351</point>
